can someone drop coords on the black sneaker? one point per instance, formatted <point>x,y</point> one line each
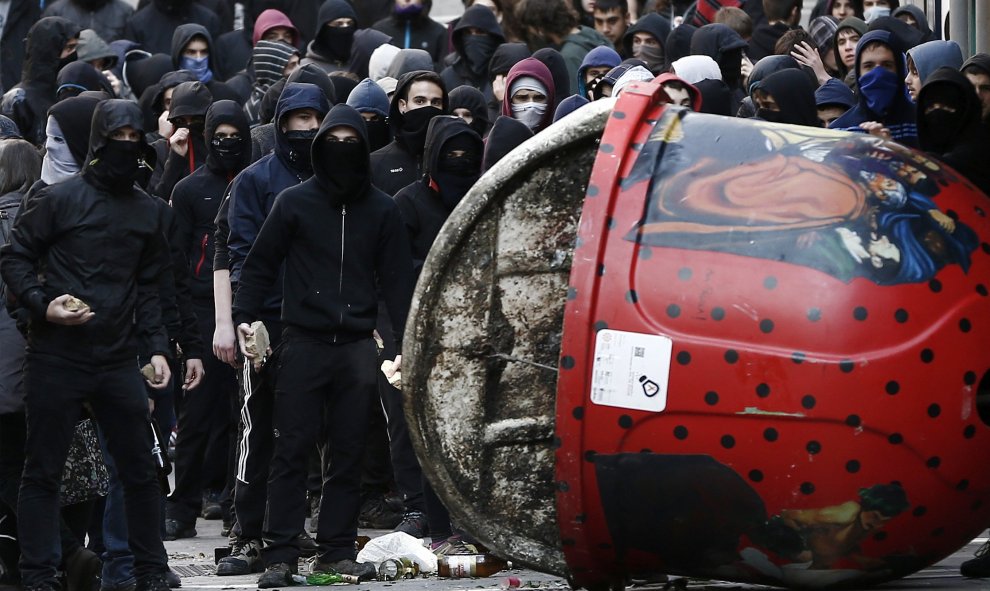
<point>42,587</point>
<point>978,567</point>
<point>152,583</point>
<point>277,575</point>
<point>245,558</point>
<point>414,523</point>
<point>211,506</point>
<point>314,513</point>
<point>172,580</point>
<point>364,571</point>
<point>375,514</point>
<point>175,529</point>
<point>307,545</point>
<point>82,570</point>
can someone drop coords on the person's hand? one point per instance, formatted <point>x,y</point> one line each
<point>875,129</point>
<point>225,343</point>
<point>165,127</point>
<point>194,374</point>
<point>179,141</point>
<point>948,224</point>
<point>397,364</point>
<point>806,55</point>
<point>746,69</point>
<point>58,314</point>
<point>162,373</point>
<point>244,332</point>
<point>113,80</point>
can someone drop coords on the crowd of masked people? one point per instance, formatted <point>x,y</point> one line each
<point>167,181</point>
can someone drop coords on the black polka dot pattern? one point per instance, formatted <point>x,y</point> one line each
<point>567,362</point>
<point>763,390</point>
<point>901,315</point>
<point>673,310</point>
<point>681,432</point>
<point>807,488</point>
<point>814,314</point>
<point>684,274</point>
<point>600,325</point>
<point>766,326</point>
<point>626,422</point>
<point>808,402</point>
<point>731,356</point>
<point>718,313</point>
<point>860,313</point>
<point>728,441</point>
<point>711,398</point>
<point>631,296</point>
<point>683,357</point>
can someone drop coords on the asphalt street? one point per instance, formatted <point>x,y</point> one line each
<point>192,560</point>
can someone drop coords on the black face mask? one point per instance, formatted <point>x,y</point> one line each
<point>478,51</point>
<point>378,134</point>
<point>335,42</point>
<point>91,5</point>
<point>455,177</point>
<point>229,152</point>
<point>118,164</point>
<point>771,116</point>
<point>942,129</point>
<point>300,143</point>
<point>65,61</point>
<point>414,126</point>
<point>347,164</point>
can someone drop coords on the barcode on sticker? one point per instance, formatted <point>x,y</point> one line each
<point>639,352</point>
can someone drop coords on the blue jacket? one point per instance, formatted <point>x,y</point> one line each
<point>253,191</point>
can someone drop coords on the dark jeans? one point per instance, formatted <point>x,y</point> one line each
<point>202,438</point>
<point>56,390</point>
<point>317,379</point>
<point>254,444</point>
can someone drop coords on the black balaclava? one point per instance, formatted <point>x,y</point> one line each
<point>410,128</point>
<point>343,169</point>
<point>334,42</point>
<point>456,175</point>
<point>470,98</point>
<point>227,156</point>
<point>116,164</point>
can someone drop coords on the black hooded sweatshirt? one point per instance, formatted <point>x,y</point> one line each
<point>419,32</point>
<point>153,26</point>
<point>794,95</point>
<point>78,77</point>
<point>28,102</point>
<point>188,99</point>
<point>21,16</point>
<point>469,63</point>
<point>400,163</point>
<point>182,36</point>
<point>960,140</point>
<point>322,51</point>
<point>336,246</point>
<point>196,200</point>
<point>65,229</point>
<point>423,209</point>
<point>506,134</point>
<point>725,46</point>
<point>467,97</point>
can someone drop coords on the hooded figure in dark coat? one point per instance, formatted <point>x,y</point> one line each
<point>793,95</point>
<point>505,56</point>
<point>506,134</point>
<point>915,17</point>
<point>532,78</point>
<point>21,16</point>
<point>882,96</point>
<point>469,104</point>
<point>725,46</point>
<point>185,151</point>
<point>419,96</point>
<point>67,138</point>
<point>202,66</point>
<point>154,25</point>
<point>78,77</point>
<point>411,27</point>
<point>451,166</point>
<point>50,46</point>
<point>949,125</point>
<point>473,50</point>
<point>330,49</point>
<point>653,53</point>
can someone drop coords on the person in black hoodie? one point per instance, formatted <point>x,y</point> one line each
<point>154,25</point>
<point>782,16</point>
<point>192,50</point>
<point>507,133</point>
<point>645,40</point>
<point>419,96</point>
<point>411,27</point>
<point>330,49</point>
<point>725,46</point>
<point>332,230</point>
<point>949,125</point>
<point>78,77</point>
<point>263,136</point>
<point>475,38</point>
<point>787,96</point>
<point>505,56</point>
<point>21,16</point>
<point>50,45</point>
<point>469,104</point>
<point>977,71</point>
<point>184,150</point>
<point>252,196</point>
<point>91,354</point>
<point>200,456</point>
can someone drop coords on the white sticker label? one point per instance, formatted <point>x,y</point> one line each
<point>631,370</point>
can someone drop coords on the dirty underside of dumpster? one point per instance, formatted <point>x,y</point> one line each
<point>480,369</point>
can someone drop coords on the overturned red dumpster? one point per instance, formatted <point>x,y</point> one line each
<point>709,347</point>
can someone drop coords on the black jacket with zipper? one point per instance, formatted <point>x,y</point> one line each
<point>102,246</point>
<point>335,249</point>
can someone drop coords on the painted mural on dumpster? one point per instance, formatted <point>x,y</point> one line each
<point>848,205</point>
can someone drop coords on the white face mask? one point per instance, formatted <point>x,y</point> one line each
<point>58,163</point>
<point>874,12</point>
<point>530,114</point>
